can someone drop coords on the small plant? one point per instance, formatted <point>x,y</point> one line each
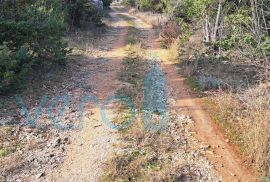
<point>209,82</point>
<point>79,11</point>
<point>3,152</point>
<point>6,129</point>
<point>266,178</point>
<point>193,83</point>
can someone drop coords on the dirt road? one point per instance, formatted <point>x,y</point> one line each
<point>92,145</point>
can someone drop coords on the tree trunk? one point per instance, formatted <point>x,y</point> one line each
<point>255,20</point>
<point>216,36</point>
<point>207,29</point>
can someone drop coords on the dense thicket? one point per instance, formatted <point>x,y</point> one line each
<point>158,6</point>
<point>31,33</point>
<point>79,11</point>
<point>238,30</point>
<point>242,25</point>
<point>231,23</point>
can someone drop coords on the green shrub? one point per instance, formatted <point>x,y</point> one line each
<point>13,66</point>
<point>82,10</point>
<point>145,4</point>
<point>30,34</point>
<point>106,3</point>
<point>158,6</point>
<point>129,2</point>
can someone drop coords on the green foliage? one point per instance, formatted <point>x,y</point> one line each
<point>237,24</point>
<point>79,10</point>
<point>266,178</point>
<point>265,45</point>
<point>106,3</point>
<point>189,10</point>
<point>145,4</point>
<point>3,152</point>
<point>13,66</point>
<point>129,2</point>
<point>157,6</point>
<point>193,83</point>
<point>30,34</point>
<point>184,29</point>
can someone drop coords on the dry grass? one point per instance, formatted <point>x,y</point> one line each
<point>145,155</point>
<point>154,19</point>
<point>246,118</point>
<point>169,33</point>
<point>132,73</point>
<point>256,118</point>
<point>173,51</point>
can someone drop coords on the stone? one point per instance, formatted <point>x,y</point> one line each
<point>40,175</point>
<point>56,142</point>
<point>66,140</point>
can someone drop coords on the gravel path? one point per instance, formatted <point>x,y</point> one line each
<point>94,143</point>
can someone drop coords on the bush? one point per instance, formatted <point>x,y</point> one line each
<point>210,82</point>
<point>169,33</point>
<point>30,36</point>
<point>83,10</point>
<point>157,6</point>
<point>106,3</point>
<point>13,66</point>
<point>129,2</point>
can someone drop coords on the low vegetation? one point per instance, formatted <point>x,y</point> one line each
<point>224,52</point>
<point>159,6</point>
<point>244,115</point>
<point>32,35</point>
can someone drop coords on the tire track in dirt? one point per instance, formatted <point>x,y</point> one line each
<point>228,163</point>
<point>92,145</point>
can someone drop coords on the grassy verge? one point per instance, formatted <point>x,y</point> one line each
<point>222,114</point>
<point>238,103</point>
